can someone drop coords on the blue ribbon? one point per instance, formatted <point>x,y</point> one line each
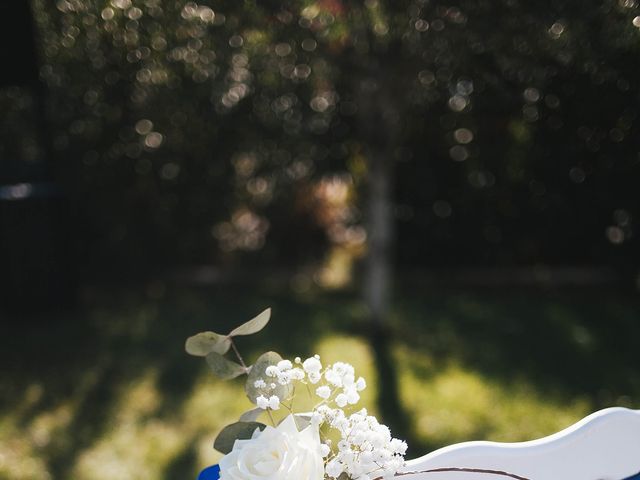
<point>213,473</point>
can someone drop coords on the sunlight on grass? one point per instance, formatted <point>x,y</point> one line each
<point>212,405</point>
<point>132,405</point>
<point>453,404</point>
<point>136,444</point>
<point>20,445</point>
<point>142,442</point>
<point>19,459</point>
<point>356,352</point>
<point>142,439</point>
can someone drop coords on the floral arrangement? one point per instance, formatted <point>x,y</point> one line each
<point>332,440</point>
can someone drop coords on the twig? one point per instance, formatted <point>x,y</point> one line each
<point>233,345</point>
<point>273,422</point>
<point>466,470</point>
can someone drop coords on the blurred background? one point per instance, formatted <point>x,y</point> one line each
<point>444,193</point>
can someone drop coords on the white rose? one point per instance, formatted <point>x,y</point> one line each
<point>281,453</point>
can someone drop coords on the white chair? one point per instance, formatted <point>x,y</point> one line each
<point>603,446</point>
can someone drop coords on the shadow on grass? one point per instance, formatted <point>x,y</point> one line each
<point>388,396</point>
<point>87,359</point>
<point>570,344</point>
<point>573,343</point>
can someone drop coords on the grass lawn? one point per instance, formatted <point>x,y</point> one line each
<point>108,393</point>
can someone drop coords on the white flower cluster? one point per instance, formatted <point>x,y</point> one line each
<point>340,384</point>
<point>366,449</point>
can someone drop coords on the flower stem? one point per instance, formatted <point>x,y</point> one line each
<point>273,422</point>
<point>235,350</point>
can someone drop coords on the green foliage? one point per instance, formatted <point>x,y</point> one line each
<point>223,368</point>
<point>252,326</point>
<point>213,346</point>
<point>251,415</point>
<point>163,106</point>
<point>258,372</point>
<point>302,420</point>
<point>539,390</point>
<point>202,344</point>
<point>236,431</point>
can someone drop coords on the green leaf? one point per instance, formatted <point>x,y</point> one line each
<point>252,326</point>
<point>251,415</point>
<point>201,344</point>
<point>302,420</point>
<point>224,368</point>
<point>236,431</point>
<point>258,372</point>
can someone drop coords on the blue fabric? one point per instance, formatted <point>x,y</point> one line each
<point>211,473</point>
<point>635,477</point>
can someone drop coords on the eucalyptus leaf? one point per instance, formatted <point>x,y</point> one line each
<point>302,420</point>
<point>201,344</point>
<point>224,368</point>
<point>258,372</point>
<point>251,415</point>
<point>236,431</point>
<point>252,326</point>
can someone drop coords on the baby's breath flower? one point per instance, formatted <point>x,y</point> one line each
<point>364,449</point>
<point>262,402</point>
<point>353,396</point>
<point>284,365</point>
<point>323,392</point>
<point>325,450</point>
<point>274,402</point>
<point>312,365</point>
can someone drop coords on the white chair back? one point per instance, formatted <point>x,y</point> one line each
<point>603,446</point>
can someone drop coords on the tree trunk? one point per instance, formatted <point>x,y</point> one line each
<point>379,128</point>
<point>377,283</point>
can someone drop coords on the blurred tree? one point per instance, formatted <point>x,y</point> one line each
<point>484,132</point>
<point>36,268</point>
<point>506,129</point>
